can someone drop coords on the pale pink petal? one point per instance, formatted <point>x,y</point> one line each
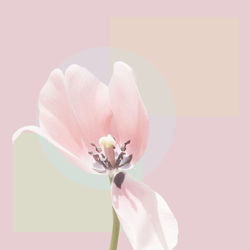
<point>56,117</point>
<point>90,102</point>
<point>130,117</point>
<point>74,110</point>
<point>83,163</point>
<point>144,215</point>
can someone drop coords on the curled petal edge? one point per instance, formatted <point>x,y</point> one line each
<point>71,157</point>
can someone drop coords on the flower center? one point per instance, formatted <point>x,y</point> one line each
<point>110,156</point>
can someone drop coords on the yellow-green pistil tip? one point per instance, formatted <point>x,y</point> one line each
<point>107,141</point>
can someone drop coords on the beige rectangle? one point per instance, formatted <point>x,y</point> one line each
<point>198,57</point>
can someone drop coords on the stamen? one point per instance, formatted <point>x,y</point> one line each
<point>98,160</point>
<point>96,157</point>
<point>124,145</point>
<point>119,158</point>
<point>98,149</point>
<point>103,156</point>
<point>108,164</point>
<point>126,160</point>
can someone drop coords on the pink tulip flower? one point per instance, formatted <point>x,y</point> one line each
<point>104,130</point>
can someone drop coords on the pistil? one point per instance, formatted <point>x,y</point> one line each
<point>108,143</point>
<point>110,154</point>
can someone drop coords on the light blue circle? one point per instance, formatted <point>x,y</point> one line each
<point>162,127</point>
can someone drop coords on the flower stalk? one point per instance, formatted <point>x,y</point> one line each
<point>115,230</point>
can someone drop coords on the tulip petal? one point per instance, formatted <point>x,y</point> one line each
<point>67,104</point>
<point>90,102</point>
<point>129,114</point>
<point>56,117</point>
<point>85,164</point>
<point>144,215</point>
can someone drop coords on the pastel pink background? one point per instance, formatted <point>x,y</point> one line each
<point>212,205</point>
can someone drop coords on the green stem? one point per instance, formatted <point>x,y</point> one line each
<point>115,230</point>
